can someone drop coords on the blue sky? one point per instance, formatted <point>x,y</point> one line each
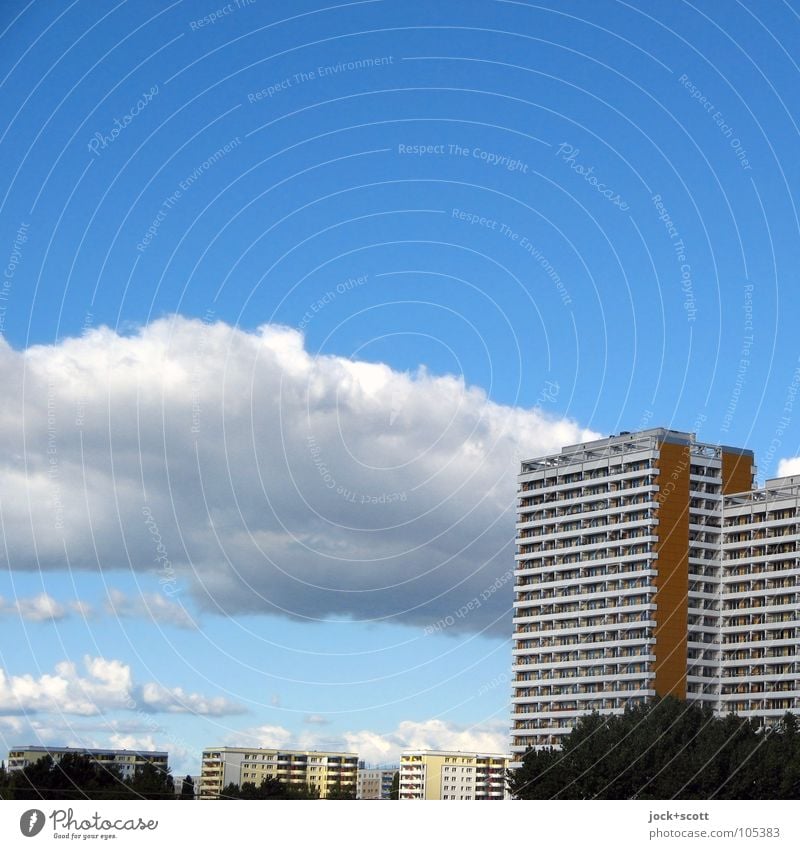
<point>305,282</point>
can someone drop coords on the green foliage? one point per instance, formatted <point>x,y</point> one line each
<point>75,776</point>
<point>78,776</point>
<point>668,749</point>
<point>270,788</point>
<point>4,791</point>
<point>394,792</point>
<point>151,782</point>
<point>187,788</point>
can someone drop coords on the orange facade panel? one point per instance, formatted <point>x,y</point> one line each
<point>672,581</point>
<point>737,475</point>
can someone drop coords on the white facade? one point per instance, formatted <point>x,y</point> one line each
<point>452,776</point>
<point>761,601</point>
<point>590,543</point>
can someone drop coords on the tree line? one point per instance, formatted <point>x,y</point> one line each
<point>274,788</point>
<point>667,749</point>
<point>77,776</point>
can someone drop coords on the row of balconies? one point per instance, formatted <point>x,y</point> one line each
<point>587,591</point>
<point>578,706</point>
<point>547,607</point>
<point>583,575</point>
<point>607,510</point>
<point>600,500</point>
<point>784,567</point>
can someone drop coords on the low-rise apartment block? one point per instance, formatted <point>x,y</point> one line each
<point>375,783</point>
<point>125,760</point>
<point>327,771</point>
<point>462,776</point>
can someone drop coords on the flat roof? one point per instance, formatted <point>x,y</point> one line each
<point>598,449</point>
<point>277,751</point>
<point>85,750</point>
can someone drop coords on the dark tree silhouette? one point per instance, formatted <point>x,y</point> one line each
<point>270,788</point>
<point>668,749</point>
<point>75,776</point>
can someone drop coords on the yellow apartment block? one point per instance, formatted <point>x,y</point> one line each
<point>328,771</point>
<point>452,776</point>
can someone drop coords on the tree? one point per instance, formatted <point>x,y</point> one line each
<point>394,791</point>
<point>151,782</point>
<point>187,788</point>
<point>75,776</point>
<point>3,781</point>
<point>667,749</point>
<point>342,791</point>
<point>270,788</point>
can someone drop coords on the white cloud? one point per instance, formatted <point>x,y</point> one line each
<point>108,685</point>
<point>385,747</point>
<point>133,741</point>
<point>241,470</point>
<point>156,697</point>
<point>38,608</point>
<point>154,607</point>
<point>789,466</point>
<point>316,719</point>
<point>262,736</point>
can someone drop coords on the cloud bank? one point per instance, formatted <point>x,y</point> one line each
<point>384,747</point>
<point>241,470</point>
<point>107,685</point>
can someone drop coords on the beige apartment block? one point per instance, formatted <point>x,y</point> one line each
<point>375,783</point>
<point>328,771</point>
<point>126,760</point>
<point>463,776</point>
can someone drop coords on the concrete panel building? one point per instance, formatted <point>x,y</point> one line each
<point>125,760</point>
<point>452,776</point>
<point>328,771</point>
<point>618,577</point>
<point>760,602</point>
<point>375,783</point>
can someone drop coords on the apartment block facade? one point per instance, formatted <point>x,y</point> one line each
<point>375,783</point>
<point>760,601</point>
<point>125,760</point>
<point>428,774</point>
<point>328,771</point>
<point>618,577</point>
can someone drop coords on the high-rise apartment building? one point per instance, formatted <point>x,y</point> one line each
<point>760,601</point>
<point>427,774</point>
<point>618,577</point>
<point>327,771</point>
<point>127,761</point>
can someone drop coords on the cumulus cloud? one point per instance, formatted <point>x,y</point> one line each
<point>157,698</point>
<point>385,747</point>
<point>242,470</point>
<point>107,685</point>
<point>789,466</point>
<point>262,736</point>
